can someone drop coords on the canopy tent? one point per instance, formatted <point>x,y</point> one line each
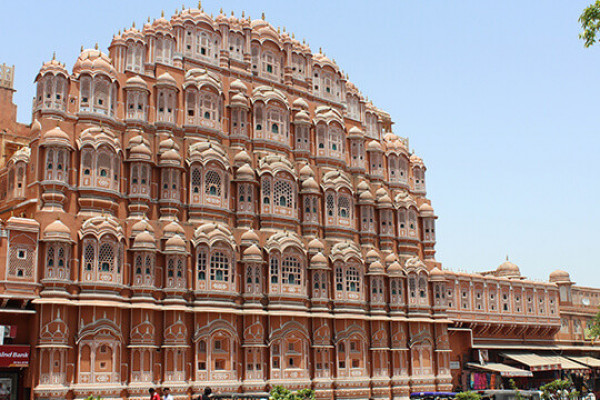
<point>586,360</point>
<point>503,369</point>
<point>543,362</point>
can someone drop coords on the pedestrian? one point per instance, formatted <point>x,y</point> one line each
<point>206,394</point>
<point>167,394</point>
<point>153,394</point>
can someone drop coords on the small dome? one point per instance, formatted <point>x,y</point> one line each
<point>390,258</point>
<point>306,171</point>
<point>140,152</point>
<point>93,61</point>
<point>239,100</point>
<point>54,67</point>
<point>560,276</point>
<point>173,228</point>
<point>395,269</point>
<point>242,158</point>
<point>36,127</point>
<point>136,82</point>
<point>355,132</point>
<point>141,226</point>
<point>384,201</point>
<point>144,241</point>
<point>366,196</point>
<point>316,244</point>
<point>374,146</point>
<point>310,184</point>
<point>252,253</point>
<point>245,172</point>
<point>249,237</point>
<point>372,255</point>
<point>175,244</point>
<point>508,270</point>
<point>55,136</point>
<point>166,80</point>
<point>426,210</point>
<point>363,185</point>
<point>302,116</point>
<point>318,260</point>
<point>300,103</point>
<point>170,157</point>
<point>238,86</point>
<point>57,230</point>
<point>376,268</point>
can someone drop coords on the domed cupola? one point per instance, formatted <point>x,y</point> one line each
<point>508,270</point>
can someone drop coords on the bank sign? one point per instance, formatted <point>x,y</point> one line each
<point>14,356</point>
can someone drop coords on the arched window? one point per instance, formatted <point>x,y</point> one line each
<point>236,46</point>
<point>57,261</point>
<point>219,267</point>
<point>352,280</point>
<point>170,184</point>
<point>348,278</point>
<point>274,269</point>
<point>209,110</point>
<point>291,271</point>
<point>212,183</point>
<point>57,165</point>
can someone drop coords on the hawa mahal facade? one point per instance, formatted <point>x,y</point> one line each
<point>213,204</point>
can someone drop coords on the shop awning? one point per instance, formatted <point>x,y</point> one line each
<point>502,369</point>
<point>544,362</point>
<point>589,361</point>
<point>534,361</point>
<point>571,365</point>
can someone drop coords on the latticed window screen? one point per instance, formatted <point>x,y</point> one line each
<point>196,180</point>
<point>138,265</point>
<point>171,268</point>
<point>344,207</point>
<point>50,257</point>
<point>339,279</point>
<point>291,271</point>
<point>213,183</point>
<point>219,267</point>
<point>352,280</point>
<point>106,257</point>
<point>180,267</point>
<point>283,194</point>
<point>21,261</point>
<point>266,191</point>
<point>61,262</point>
<point>330,205</point>
<point>104,165</point>
<point>89,256</point>
<point>274,265</point>
<point>412,287</point>
<point>201,265</point>
<point>148,269</point>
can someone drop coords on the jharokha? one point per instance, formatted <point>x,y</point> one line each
<point>210,203</point>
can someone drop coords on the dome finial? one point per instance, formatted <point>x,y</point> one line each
<point>243,13</point>
<point>320,51</point>
<point>96,46</point>
<point>162,13</point>
<point>507,257</point>
<point>221,11</point>
<point>199,5</point>
<point>133,24</point>
<point>293,35</point>
<point>148,19</point>
<point>53,55</point>
<point>81,48</point>
<point>232,13</point>
<point>263,16</point>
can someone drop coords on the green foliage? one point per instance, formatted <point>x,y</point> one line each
<point>590,23</point>
<point>281,393</point>
<point>90,397</point>
<point>514,387</point>
<point>593,332</point>
<point>558,389</point>
<point>468,395</point>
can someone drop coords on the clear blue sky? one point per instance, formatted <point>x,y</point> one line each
<point>499,98</point>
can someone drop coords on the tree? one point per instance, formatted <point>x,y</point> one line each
<point>468,395</point>
<point>590,23</point>
<point>558,390</point>
<point>593,332</point>
<point>281,393</point>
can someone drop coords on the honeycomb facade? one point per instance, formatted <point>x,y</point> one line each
<point>213,204</point>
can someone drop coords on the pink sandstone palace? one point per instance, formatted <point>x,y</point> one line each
<point>213,204</point>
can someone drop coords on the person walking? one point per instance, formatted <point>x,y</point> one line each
<point>206,394</point>
<point>167,394</point>
<point>153,394</point>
